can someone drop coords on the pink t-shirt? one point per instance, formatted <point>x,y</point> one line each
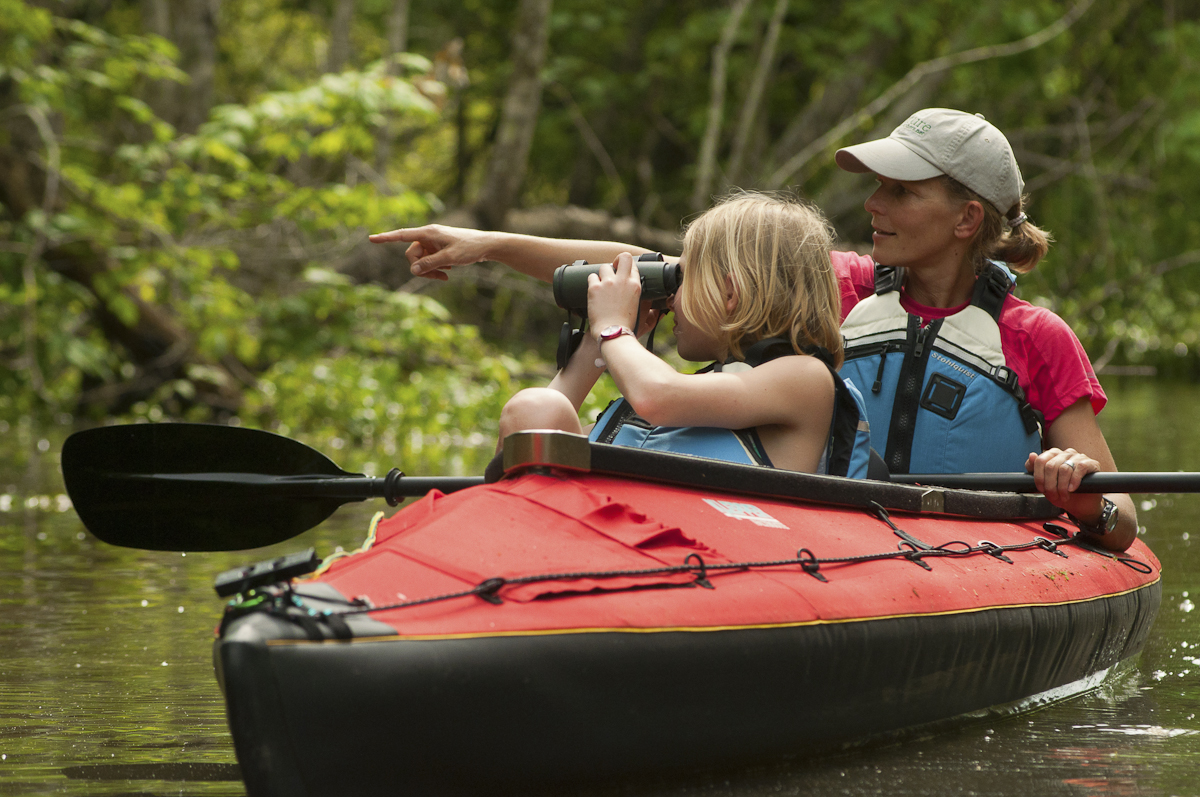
<point>1050,362</point>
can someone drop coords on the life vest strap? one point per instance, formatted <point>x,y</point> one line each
<point>991,289</point>
<point>887,279</point>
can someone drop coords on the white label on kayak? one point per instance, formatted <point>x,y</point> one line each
<point>745,512</point>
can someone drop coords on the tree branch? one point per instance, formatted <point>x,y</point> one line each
<point>921,70</point>
<point>1088,161</point>
<point>766,60</point>
<point>1178,261</point>
<point>707,162</point>
<point>518,117</point>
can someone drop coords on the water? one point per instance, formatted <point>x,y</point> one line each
<point>106,684</point>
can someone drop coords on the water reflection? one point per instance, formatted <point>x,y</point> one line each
<point>106,685</point>
<point>193,772</point>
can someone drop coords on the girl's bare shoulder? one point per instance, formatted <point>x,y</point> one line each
<point>802,373</point>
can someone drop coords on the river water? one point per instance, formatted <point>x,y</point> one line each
<point>106,682</point>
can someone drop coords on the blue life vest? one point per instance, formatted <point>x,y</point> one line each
<point>940,395</point>
<point>846,454</point>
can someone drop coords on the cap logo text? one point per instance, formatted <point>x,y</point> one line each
<point>918,126</point>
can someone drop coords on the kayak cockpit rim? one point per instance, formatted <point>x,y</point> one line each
<point>547,450</point>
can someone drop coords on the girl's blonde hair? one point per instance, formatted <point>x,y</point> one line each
<point>1021,247</point>
<point>776,251</point>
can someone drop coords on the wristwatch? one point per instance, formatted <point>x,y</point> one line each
<point>1106,522</point>
<point>615,331</point>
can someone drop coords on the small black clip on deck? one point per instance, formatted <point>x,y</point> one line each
<point>272,571</point>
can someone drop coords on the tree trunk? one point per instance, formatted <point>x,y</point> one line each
<point>396,43</point>
<point>338,55</point>
<point>758,85</point>
<point>707,166</point>
<point>551,221</point>
<point>160,94</point>
<point>397,28</point>
<point>518,118</point>
<point>625,63</point>
<point>195,28</point>
<point>192,26</point>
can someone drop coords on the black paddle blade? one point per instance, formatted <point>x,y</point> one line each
<point>197,487</point>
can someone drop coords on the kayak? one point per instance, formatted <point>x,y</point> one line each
<point>603,614</point>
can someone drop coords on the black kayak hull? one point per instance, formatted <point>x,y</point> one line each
<point>540,712</point>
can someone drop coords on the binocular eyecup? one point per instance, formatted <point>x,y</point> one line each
<point>659,280</point>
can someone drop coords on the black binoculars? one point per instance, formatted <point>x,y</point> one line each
<point>659,280</point>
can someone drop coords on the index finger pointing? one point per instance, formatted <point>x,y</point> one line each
<point>402,234</point>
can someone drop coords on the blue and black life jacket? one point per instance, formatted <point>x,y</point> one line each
<point>941,394</point>
<point>846,454</point>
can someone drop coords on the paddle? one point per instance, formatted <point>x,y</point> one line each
<point>199,487</point>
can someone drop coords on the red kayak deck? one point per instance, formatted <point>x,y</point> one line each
<point>537,525</point>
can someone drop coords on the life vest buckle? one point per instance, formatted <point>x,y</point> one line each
<point>1008,377</point>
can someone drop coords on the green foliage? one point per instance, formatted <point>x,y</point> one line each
<point>163,219</point>
<point>383,374</point>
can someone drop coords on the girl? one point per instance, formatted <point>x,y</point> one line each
<point>759,297</point>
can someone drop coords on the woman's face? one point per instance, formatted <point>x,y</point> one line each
<point>914,223</point>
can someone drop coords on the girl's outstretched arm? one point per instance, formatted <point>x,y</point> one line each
<point>434,249</point>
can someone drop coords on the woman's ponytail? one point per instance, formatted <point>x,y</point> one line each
<point>1021,244</point>
<point>1012,238</point>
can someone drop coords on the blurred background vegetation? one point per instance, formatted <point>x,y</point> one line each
<point>186,185</point>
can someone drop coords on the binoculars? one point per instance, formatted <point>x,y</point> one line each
<point>659,280</point>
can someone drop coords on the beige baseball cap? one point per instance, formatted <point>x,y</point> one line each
<point>939,141</point>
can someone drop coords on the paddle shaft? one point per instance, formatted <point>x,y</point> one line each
<point>1145,482</point>
<point>364,487</point>
<point>351,488</point>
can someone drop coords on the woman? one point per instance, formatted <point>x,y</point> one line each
<point>958,374</point>
<point>760,297</point>
<point>949,199</point>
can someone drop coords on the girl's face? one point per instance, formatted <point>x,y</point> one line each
<point>914,223</point>
<point>692,343</point>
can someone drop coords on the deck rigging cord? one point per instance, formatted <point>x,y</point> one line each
<point>278,600</point>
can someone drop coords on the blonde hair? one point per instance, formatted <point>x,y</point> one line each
<point>775,249</point>
<point>1021,247</point>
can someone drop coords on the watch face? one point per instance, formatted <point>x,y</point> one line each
<point>611,332</point>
